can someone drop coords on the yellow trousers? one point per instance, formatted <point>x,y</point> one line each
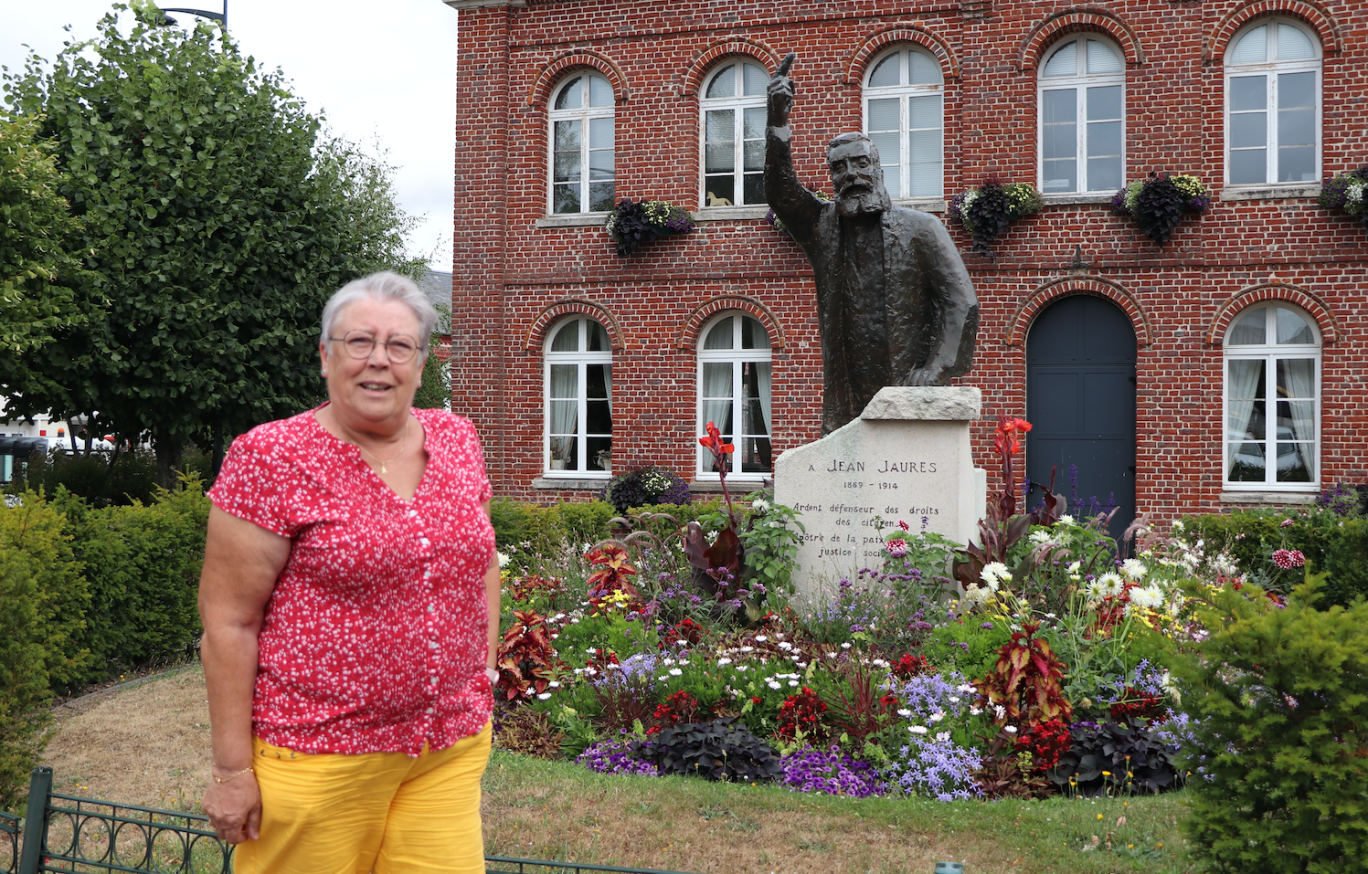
<point>384,813</point>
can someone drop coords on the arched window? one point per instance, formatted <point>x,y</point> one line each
<point>734,393</point>
<point>1082,106</point>
<point>582,150</point>
<point>1273,104</point>
<point>903,103</point>
<point>579,398</point>
<point>734,134</point>
<point>1272,399</point>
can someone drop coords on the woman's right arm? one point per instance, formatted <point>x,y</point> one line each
<point>241,564</point>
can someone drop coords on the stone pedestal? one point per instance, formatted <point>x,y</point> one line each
<point>906,458</point>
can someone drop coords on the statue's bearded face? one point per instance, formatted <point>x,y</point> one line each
<point>857,178</point>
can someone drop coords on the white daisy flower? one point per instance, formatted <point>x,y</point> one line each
<point>722,662</point>
<point>918,729</point>
<point>675,672</point>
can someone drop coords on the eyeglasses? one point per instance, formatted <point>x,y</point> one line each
<point>400,348</point>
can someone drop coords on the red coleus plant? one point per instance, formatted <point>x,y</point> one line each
<point>524,588</point>
<point>803,711</point>
<point>1026,681</point>
<point>910,666</point>
<point>679,708</point>
<point>611,575</point>
<point>1046,742</point>
<point>1139,704</point>
<point>686,630</point>
<point>527,660</point>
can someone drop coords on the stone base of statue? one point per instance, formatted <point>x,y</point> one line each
<point>907,458</point>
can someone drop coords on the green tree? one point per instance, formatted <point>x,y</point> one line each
<point>215,222</point>
<point>38,274</point>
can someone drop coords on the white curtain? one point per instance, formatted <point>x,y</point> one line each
<point>564,406</point>
<point>1299,376</point>
<point>762,372</point>
<point>1245,375</point>
<point>717,401</point>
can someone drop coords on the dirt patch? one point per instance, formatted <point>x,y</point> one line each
<point>146,745</point>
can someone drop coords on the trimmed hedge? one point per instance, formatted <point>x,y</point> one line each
<point>143,564</point>
<point>549,532</point>
<point>1332,543</point>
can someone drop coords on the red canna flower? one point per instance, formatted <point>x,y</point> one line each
<point>713,442</point>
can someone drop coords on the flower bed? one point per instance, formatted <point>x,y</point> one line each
<point>1046,670</point>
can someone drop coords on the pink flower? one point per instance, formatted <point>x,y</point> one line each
<point>897,548</point>
<point>903,525</point>
<point>1288,558</point>
<point>1287,523</point>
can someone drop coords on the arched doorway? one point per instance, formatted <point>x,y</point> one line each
<point>1080,400</point>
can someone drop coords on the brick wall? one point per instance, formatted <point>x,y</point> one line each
<point>511,276</point>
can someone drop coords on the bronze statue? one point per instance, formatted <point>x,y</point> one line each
<point>894,303</point>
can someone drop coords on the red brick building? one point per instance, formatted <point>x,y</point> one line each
<point>1249,367</point>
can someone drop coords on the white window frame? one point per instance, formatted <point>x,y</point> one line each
<point>738,358</point>
<point>903,92</point>
<point>585,114</point>
<point>1273,69</point>
<point>1270,353</point>
<point>1080,84</point>
<point>582,359</point>
<point>739,104</point>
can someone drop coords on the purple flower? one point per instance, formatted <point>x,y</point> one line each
<point>831,772</point>
<point>616,757</point>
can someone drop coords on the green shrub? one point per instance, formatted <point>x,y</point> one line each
<point>44,597</point>
<point>1278,697</point>
<point>143,564</point>
<point>131,477</point>
<point>537,536</point>
<point>1330,542</point>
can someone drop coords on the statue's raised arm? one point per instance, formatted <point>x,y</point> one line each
<point>781,93</point>
<point>793,204</point>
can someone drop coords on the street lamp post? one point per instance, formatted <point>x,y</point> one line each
<point>221,17</point>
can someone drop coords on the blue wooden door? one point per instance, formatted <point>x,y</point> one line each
<point>1080,400</point>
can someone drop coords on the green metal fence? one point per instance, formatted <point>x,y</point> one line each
<point>63,834</point>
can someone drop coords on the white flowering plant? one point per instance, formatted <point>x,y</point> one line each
<point>986,212</point>
<point>1348,192</point>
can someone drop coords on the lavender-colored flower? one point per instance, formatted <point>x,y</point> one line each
<point>831,772</point>
<point>934,767</point>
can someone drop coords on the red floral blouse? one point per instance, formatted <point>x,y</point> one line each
<point>375,636</point>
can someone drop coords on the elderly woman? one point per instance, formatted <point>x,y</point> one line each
<point>350,600</point>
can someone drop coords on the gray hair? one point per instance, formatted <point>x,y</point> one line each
<point>384,286</point>
<point>856,137</point>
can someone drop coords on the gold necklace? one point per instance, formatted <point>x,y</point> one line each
<point>384,465</point>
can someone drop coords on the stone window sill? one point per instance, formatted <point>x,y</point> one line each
<point>1269,497</point>
<point>1075,199</point>
<point>728,213</point>
<point>735,486</point>
<point>573,220</point>
<point>570,483</point>
<point>922,204</point>
<point>1271,192</point>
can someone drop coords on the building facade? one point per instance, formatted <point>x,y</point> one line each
<point>1227,367</point>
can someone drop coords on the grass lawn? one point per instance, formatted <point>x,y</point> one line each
<point>149,745</point>
<point>557,810</point>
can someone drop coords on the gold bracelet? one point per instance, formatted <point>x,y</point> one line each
<point>233,776</point>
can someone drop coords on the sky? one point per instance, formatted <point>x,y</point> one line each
<point>383,70</point>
